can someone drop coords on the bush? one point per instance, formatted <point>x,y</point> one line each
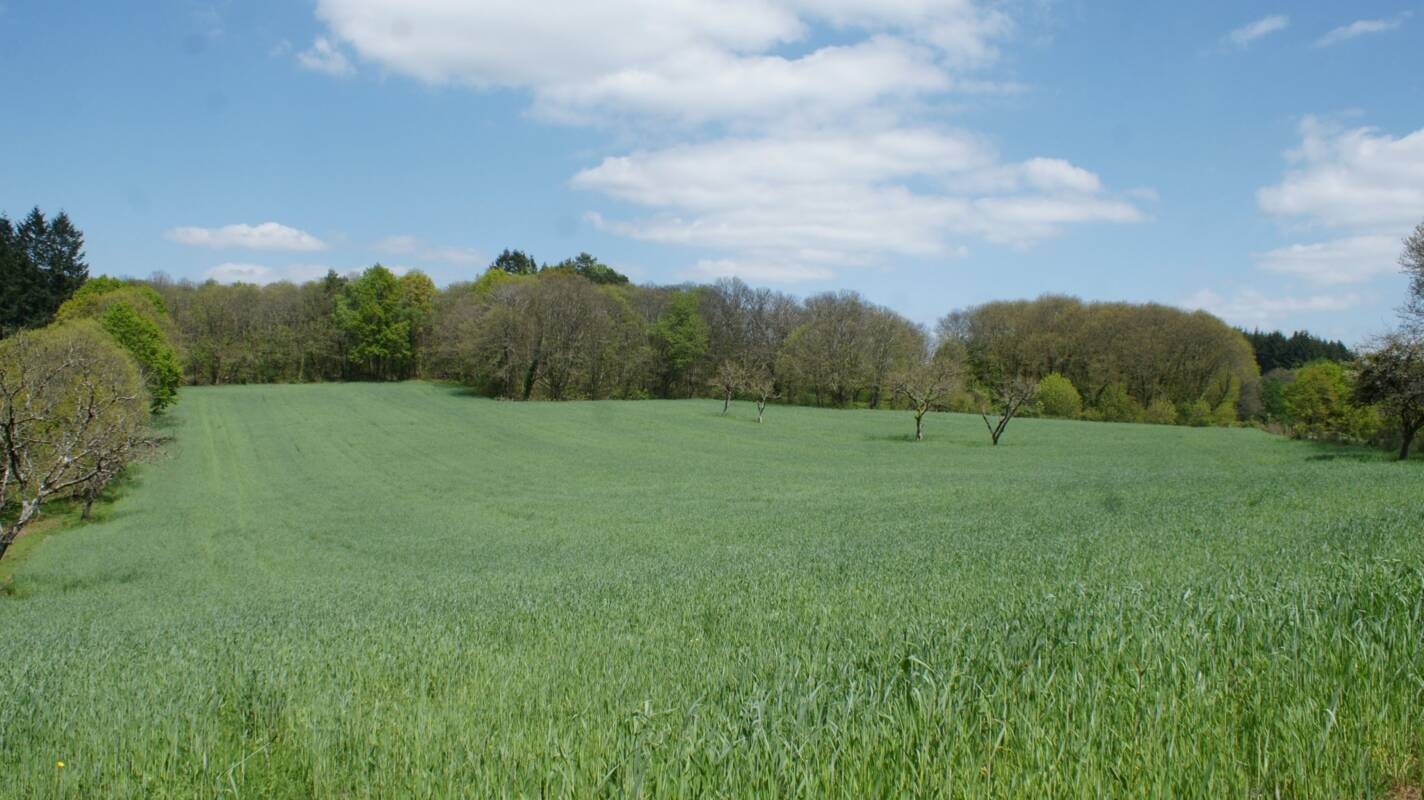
<point>1319,405</point>
<point>1161,412</point>
<point>1116,405</point>
<point>1058,397</point>
<point>1198,414</point>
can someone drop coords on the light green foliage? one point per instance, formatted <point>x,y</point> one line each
<point>1057,397</point>
<point>1319,404</point>
<point>382,602</point>
<point>136,317</point>
<point>1197,414</point>
<point>97,294</point>
<point>145,342</point>
<point>1160,412</point>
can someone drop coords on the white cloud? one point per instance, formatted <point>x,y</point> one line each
<point>232,272</point>
<point>1365,185</point>
<point>1340,261</point>
<point>237,272</point>
<point>323,56</point>
<point>1253,308</point>
<point>1360,28</point>
<point>1243,36</point>
<point>770,272</point>
<point>688,59</point>
<point>266,236</point>
<point>798,158</point>
<point>414,247</point>
<point>1351,178</point>
<point>845,198</point>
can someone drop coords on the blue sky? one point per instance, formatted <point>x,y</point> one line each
<point>1261,160</point>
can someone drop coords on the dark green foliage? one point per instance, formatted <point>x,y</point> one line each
<point>1116,405</point>
<point>374,315</point>
<point>1274,350</point>
<point>1392,376</point>
<point>679,339</point>
<point>591,268</point>
<point>41,265</point>
<point>515,262</point>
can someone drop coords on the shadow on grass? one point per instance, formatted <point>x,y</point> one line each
<point>1336,451</point>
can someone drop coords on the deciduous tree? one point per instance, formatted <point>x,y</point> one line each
<point>925,384</point>
<point>1391,375</point>
<point>72,412</point>
<point>1003,400</point>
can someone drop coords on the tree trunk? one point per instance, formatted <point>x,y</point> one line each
<point>1406,439</point>
<point>919,428</point>
<point>88,507</point>
<point>726,403</point>
<point>6,537</point>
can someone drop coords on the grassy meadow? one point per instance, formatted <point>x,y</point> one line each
<point>401,590</point>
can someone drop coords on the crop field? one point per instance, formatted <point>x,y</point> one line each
<point>400,590</point>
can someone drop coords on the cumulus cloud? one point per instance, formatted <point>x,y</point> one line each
<point>1360,28</point>
<point>415,248</point>
<point>1253,308</point>
<point>691,59</point>
<point>842,199</point>
<point>1364,185</point>
<point>1340,261</point>
<point>323,56</point>
<point>1245,35</point>
<point>266,236</point>
<point>797,157</point>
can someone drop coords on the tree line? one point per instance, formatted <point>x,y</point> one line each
<point>94,358</point>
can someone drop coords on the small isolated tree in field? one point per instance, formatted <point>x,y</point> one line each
<point>1392,376</point>
<point>762,386</point>
<point>925,385</point>
<point>73,411</point>
<point>1004,399</point>
<point>728,380</point>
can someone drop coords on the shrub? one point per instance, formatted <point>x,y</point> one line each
<point>1116,405</point>
<point>1058,397</point>
<point>1319,405</point>
<point>1198,414</point>
<point>1161,412</point>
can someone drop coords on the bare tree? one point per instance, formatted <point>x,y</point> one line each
<point>728,379</point>
<point>762,386</point>
<point>1004,399</point>
<point>925,384</point>
<point>72,406</point>
<point>1391,375</point>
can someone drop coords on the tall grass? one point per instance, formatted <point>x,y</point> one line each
<point>396,590</point>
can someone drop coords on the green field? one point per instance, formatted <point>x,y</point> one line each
<point>401,590</point>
